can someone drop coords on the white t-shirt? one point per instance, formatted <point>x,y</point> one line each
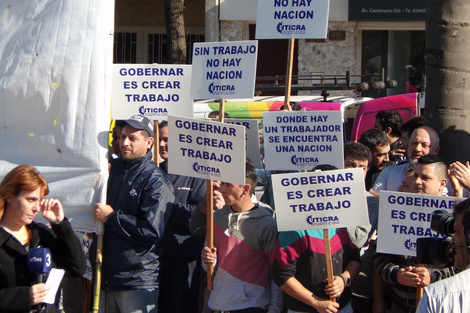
<point>448,295</point>
<point>390,178</point>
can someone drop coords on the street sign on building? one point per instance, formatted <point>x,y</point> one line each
<point>397,10</point>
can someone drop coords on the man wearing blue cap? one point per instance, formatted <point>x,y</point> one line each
<point>136,211</point>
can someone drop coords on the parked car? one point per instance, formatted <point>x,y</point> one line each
<point>358,112</point>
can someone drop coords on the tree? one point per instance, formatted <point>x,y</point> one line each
<point>448,75</point>
<point>175,32</point>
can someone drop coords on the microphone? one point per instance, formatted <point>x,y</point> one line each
<point>39,262</point>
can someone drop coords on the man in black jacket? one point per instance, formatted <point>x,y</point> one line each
<point>138,207</point>
<point>181,261</point>
<point>399,272</point>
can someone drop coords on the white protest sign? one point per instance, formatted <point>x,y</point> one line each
<point>252,138</point>
<point>152,90</point>
<point>86,243</point>
<point>205,149</point>
<point>405,217</point>
<point>277,19</point>
<point>224,70</point>
<point>301,140</point>
<point>319,200</point>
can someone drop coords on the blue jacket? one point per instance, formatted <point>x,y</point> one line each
<point>141,196</point>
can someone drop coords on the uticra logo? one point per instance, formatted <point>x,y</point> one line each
<point>153,111</point>
<point>221,89</point>
<point>322,220</point>
<point>202,169</point>
<point>290,29</point>
<point>409,245</point>
<point>303,161</point>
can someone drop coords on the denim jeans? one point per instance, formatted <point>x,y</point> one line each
<point>132,301</point>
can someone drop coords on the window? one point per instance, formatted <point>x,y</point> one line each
<point>125,47</point>
<point>400,53</point>
<point>144,45</point>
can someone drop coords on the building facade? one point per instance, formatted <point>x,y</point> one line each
<point>365,37</point>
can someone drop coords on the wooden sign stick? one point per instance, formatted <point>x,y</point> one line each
<point>156,143</point>
<point>210,228</point>
<point>290,61</point>
<point>329,260</point>
<point>210,209</point>
<point>99,263</point>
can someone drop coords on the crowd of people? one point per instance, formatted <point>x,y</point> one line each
<point>154,252</point>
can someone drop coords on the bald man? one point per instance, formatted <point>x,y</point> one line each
<point>423,141</point>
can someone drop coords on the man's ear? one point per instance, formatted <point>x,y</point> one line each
<point>443,184</point>
<point>246,189</point>
<point>149,142</point>
<point>388,131</point>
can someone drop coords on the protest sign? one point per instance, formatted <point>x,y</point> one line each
<point>205,149</point>
<point>153,90</point>
<point>405,217</point>
<point>277,19</point>
<point>252,138</point>
<point>320,200</point>
<point>86,242</point>
<point>224,70</point>
<point>301,140</point>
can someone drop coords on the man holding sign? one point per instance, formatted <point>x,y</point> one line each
<point>244,242</point>
<point>400,271</point>
<point>180,263</point>
<point>300,264</point>
<point>135,215</point>
<point>300,270</point>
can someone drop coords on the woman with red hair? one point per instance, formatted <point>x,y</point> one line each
<point>22,193</point>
